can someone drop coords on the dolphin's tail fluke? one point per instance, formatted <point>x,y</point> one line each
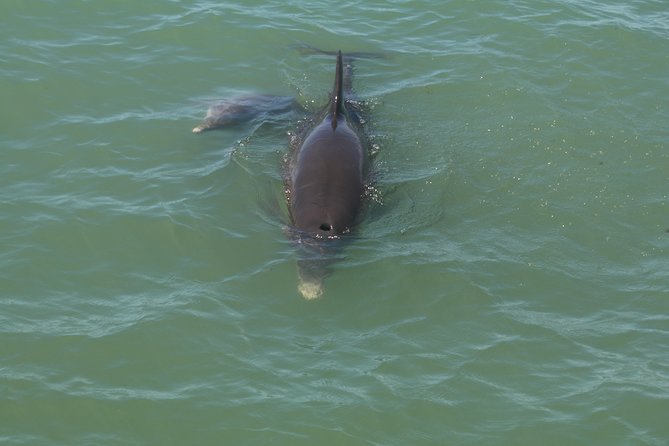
<point>304,48</point>
<point>337,99</point>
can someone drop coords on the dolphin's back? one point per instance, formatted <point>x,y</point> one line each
<point>328,180</point>
<point>327,176</point>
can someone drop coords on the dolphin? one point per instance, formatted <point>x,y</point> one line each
<point>327,166</point>
<point>325,185</point>
<point>245,108</point>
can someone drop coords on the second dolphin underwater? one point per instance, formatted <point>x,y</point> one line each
<point>326,175</point>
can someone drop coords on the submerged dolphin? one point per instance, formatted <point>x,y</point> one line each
<point>325,185</point>
<point>245,108</point>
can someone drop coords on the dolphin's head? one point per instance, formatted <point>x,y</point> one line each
<point>311,285</point>
<point>315,257</point>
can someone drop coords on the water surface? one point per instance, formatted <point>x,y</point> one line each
<point>509,287</point>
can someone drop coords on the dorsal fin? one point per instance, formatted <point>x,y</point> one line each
<point>337,105</point>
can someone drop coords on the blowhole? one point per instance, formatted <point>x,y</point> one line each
<point>325,227</point>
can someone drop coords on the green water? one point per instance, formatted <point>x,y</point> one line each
<point>510,288</point>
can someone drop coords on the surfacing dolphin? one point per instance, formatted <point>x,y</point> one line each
<point>325,185</point>
<point>325,181</point>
